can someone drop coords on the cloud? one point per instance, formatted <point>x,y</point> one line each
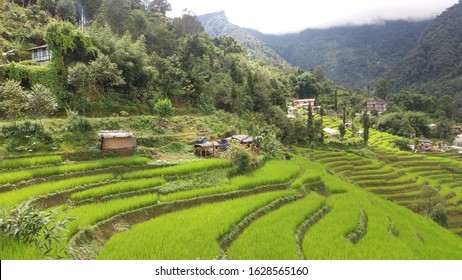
<point>271,16</point>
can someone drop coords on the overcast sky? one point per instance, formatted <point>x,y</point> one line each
<point>270,16</point>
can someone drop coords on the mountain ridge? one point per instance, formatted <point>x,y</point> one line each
<point>217,24</point>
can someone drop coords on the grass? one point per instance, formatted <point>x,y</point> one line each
<point>14,197</point>
<point>185,235</point>
<point>27,162</point>
<point>272,173</point>
<point>272,237</point>
<point>182,169</point>
<point>117,188</point>
<point>412,237</point>
<point>333,184</point>
<point>18,176</point>
<point>11,249</point>
<point>90,214</point>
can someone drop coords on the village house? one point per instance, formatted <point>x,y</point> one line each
<point>424,145</point>
<point>330,132</point>
<point>114,140</point>
<point>305,103</point>
<point>377,104</point>
<point>41,54</point>
<point>292,112</point>
<point>458,141</point>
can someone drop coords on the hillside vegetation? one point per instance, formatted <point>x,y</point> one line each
<point>434,65</point>
<point>353,56</point>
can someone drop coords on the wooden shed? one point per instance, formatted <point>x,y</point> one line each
<point>207,149</point>
<point>113,140</point>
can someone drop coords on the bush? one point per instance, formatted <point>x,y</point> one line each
<point>26,137</point>
<point>77,124</point>
<point>41,228</point>
<point>402,144</point>
<point>163,107</point>
<point>244,160</point>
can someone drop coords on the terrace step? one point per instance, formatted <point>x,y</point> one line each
<point>396,191</point>
<point>386,184</point>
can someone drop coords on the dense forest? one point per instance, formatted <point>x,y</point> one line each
<point>434,66</point>
<point>423,56</point>
<point>353,56</point>
<point>127,54</point>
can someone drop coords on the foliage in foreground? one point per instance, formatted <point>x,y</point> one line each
<point>42,228</point>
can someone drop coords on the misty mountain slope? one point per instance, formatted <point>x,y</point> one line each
<point>216,24</point>
<point>434,65</point>
<point>350,55</point>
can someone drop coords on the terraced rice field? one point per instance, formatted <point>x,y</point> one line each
<point>331,207</point>
<point>401,177</point>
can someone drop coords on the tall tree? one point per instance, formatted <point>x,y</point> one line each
<point>106,73</point>
<point>66,10</point>
<point>366,125</point>
<point>310,125</point>
<point>188,24</point>
<point>115,12</point>
<point>382,89</point>
<point>161,6</point>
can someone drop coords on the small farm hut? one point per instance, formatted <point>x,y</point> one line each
<point>244,139</point>
<point>207,149</point>
<point>113,140</point>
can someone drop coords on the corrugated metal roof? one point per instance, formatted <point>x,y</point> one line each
<point>38,47</point>
<point>115,134</point>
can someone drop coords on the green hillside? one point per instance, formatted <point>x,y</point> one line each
<point>353,56</point>
<point>434,64</point>
<point>216,24</point>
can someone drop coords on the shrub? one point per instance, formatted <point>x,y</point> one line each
<point>77,124</point>
<point>163,107</point>
<point>27,225</point>
<point>244,160</point>
<point>26,137</point>
<point>401,144</point>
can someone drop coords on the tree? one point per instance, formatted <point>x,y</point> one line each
<point>42,101</point>
<point>80,77</point>
<point>187,24</point>
<point>366,125</point>
<point>13,99</point>
<point>310,125</point>
<point>115,13</point>
<point>306,86</point>
<point>131,58</point>
<point>161,6</point>
<point>106,73</point>
<point>342,130</point>
<point>66,10</point>
<point>163,107</point>
<point>68,43</point>
<point>381,88</point>
<point>335,101</point>
<point>321,113</point>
